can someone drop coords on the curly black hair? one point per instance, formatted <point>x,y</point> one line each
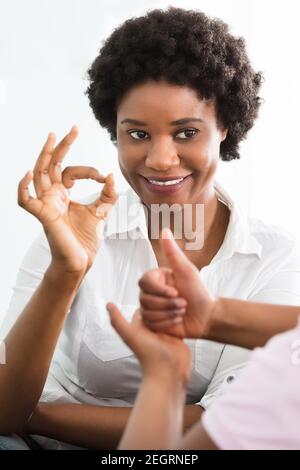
<point>183,47</point>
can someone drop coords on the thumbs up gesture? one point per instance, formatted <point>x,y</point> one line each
<point>174,300</point>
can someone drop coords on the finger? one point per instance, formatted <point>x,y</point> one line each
<point>104,204</point>
<point>108,194</point>
<point>120,324</point>
<point>154,302</point>
<point>41,178</point>
<point>173,327</point>
<point>59,154</point>
<point>26,201</point>
<point>152,283</point>
<point>154,316</point>
<point>73,173</point>
<point>177,259</point>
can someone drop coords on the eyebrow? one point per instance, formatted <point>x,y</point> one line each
<point>173,123</point>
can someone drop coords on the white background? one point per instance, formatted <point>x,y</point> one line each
<point>46,47</point>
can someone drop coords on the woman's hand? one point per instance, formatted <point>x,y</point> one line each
<point>73,230</point>
<point>174,300</point>
<point>160,355</point>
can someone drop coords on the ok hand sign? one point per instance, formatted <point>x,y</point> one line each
<point>73,230</point>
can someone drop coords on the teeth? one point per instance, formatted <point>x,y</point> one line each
<point>166,183</point>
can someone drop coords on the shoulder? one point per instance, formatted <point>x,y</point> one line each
<point>275,241</point>
<point>252,235</point>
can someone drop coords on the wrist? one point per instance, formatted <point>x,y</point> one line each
<point>168,379</point>
<point>174,390</point>
<point>61,276</point>
<point>215,322</point>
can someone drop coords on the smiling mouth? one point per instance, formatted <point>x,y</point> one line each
<point>165,185</point>
<point>171,181</point>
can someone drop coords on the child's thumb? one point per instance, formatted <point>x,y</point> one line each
<point>120,324</point>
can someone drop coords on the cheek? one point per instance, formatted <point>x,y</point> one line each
<point>125,167</point>
<point>206,156</point>
<point>124,154</point>
<point>210,151</point>
<point>129,158</point>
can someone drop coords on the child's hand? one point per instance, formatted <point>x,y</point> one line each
<point>160,355</point>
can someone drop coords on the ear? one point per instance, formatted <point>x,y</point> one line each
<point>223,134</point>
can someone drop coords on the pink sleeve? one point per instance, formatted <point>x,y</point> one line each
<point>262,409</point>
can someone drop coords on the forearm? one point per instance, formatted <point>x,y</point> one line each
<point>249,324</point>
<point>93,427</point>
<point>156,421</point>
<point>30,345</point>
<point>88,426</point>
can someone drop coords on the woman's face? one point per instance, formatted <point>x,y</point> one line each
<point>168,143</point>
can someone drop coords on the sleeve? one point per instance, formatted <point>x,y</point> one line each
<point>232,361</point>
<point>29,276</point>
<point>278,283</point>
<point>262,410</point>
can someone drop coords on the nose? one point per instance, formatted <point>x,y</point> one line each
<point>162,155</point>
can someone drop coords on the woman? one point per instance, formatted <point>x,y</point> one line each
<point>176,91</point>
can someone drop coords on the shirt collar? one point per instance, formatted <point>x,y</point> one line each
<point>129,216</point>
<point>239,237</point>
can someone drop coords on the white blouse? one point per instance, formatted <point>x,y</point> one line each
<point>92,365</point>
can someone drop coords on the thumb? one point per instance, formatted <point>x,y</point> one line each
<point>120,324</point>
<point>178,262</point>
<point>108,193</point>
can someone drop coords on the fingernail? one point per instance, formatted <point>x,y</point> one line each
<point>180,303</point>
<point>177,320</point>
<point>178,311</point>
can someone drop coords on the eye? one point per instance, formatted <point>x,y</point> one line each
<point>187,134</point>
<point>138,135</point>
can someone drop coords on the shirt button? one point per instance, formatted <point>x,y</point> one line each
<point>230,379</point>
